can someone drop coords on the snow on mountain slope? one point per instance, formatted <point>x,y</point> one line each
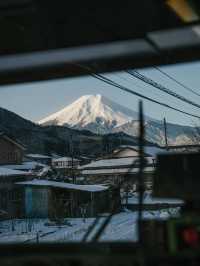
<point>154,131</point>
<point>91,109</point>
<point>101,115</point>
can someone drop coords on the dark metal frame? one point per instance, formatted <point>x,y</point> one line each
<point>106,57</point>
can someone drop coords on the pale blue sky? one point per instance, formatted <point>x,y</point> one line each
<point>39,99</point>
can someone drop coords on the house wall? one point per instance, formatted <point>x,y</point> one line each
<point>70,203</point>
<point>115,179</point>
<point>10,153</point>
<point>89,204</point>
<point>65,164</point>
<point>12,196</point>
<point>102,202</point>
<point>68,172</point>
<point>56,204</point>
<point>36,202</point>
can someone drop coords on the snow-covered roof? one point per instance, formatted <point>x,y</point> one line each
<point>9,172</point>
<point>64,159</point>
<point>24,166</point>
<point>150,150</point>
<point>48,183</point>
<point>38,156</point>
<point>116,171</point>
<point>116,162</point>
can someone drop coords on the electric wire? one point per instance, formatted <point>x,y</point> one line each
<point>112,83</point>
<point>160,87</point>
<point>177,81</point>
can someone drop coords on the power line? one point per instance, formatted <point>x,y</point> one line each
<point>178,82</point>
<point>131,83</point>
<point>160,87</point>
<point>112,83</point>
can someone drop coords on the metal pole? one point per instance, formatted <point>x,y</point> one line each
<point>72,156</point>
<point>140,174</point>
<point>37,237</point>
<point>92,207</point>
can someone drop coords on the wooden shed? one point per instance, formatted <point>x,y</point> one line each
<point>55,200</point>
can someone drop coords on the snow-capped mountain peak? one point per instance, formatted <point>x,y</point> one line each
<point>101,115</point>
<point>90,109</point>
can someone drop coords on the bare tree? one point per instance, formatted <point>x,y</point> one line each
<point>196,134</point>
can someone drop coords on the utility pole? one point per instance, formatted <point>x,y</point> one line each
<point>72,158</point>
<point>141,169</point>
<point>165,130</point>
<point>37,237</point>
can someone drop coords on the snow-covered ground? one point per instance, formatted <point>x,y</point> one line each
<point>149,199</point>
<point>122,227</point>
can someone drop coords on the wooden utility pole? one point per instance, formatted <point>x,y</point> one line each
<point>165,130</point>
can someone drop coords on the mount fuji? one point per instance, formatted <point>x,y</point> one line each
<point>101,115</point>
<point>95,110</point>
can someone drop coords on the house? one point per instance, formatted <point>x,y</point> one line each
<point>67,166</point>
<point>116,170</point>
<point>65,163</point>
<point>11,196</point>
<point>11,152</point>
<point>122,165</point>
<point>45,198</point>
<point>125,151</point>
<point>40,158</point>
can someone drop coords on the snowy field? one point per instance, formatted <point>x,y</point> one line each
<point>133,198</point>
<point>122,227</point>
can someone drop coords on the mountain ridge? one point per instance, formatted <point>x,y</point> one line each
<point>100,115</point>
<point>58,139</point>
